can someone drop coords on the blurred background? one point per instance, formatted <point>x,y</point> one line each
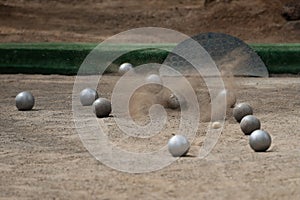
<point>255,21</point>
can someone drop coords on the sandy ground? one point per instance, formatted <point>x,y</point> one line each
<point>41,155</point>
<point>96,20</point>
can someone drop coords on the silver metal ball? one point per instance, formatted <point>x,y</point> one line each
<point>173,102</point>
<point>154,83</point>
<point>153,78</point>
<point>241,110</point>
<point>249,123</point>
<point>24,101</point>
<point>88,96</point>
<point>230,97</point>
<point>102,107</point>
<point>176,101</point>
<point>178,145</point>
<point>125,67</point>
<point>260,140</point>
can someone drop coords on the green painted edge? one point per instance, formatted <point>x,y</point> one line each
<point>280,58</point>
<point>66,58</point>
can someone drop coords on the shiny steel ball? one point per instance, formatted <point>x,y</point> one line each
<point>178,145</point>
<point>260,140</point>
<point>88,96</point>
<point>125,67</point>
<point>153,78</point>
<point>241,110</point>
<point>102,107</point>
<point>173,102</point>
<point>249,123</point>
<point>154,83</point>
<point>229,96</point>
<point>24,101</point>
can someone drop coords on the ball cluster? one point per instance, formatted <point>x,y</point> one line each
<point>178,145</point>
<point>259,140</point>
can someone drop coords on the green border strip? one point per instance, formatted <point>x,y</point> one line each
<point>66,58</point>
<point>280,58</point>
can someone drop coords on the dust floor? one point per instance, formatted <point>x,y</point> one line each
<point>42,156</point>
